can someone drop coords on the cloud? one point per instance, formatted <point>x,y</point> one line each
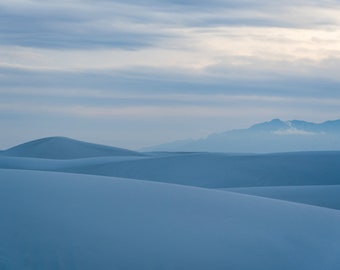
<point>230,62</point>
<point>230,40</point>
<point>106,103</point>
<point>230,52</point>
<point>111,97</point>
<point>132,25</point>
<point>75,27</point>
<point>293,131</point>
<point>136,112</point>
<point>318,82</point>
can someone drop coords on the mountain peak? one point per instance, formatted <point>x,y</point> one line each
<point>273,125</point>
<point>272,136</point>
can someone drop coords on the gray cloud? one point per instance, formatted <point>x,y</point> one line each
<point>62,29</point>
<point>166,81</point>
<point>129,62</point>
<point>133,25</point>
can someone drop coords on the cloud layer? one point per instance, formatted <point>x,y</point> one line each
<point>216,64</point>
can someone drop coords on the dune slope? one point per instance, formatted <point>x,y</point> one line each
<point>226,170</point>
<point>65,148</point>
<point>66,221</point>
<point>324,196</point>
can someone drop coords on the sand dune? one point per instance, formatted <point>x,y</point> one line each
<point>63,206</point>
<point>65,148</point>
<point>67,221</point>
<point>212,170</point>
<point>227,170</point>
<point>324,196</point>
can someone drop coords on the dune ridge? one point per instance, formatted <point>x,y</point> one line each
<point>65,148</point>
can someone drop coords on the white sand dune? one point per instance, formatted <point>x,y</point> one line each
<point>57,212</point>
<point>324,196</point>
<point>66,221</point>
<point>227,170</point>
<point>65,148</point>
<point>43,164</point>
<point>211,170</point>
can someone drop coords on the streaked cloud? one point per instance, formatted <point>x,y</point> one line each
<point>232,62</point>
<point>293,131</point>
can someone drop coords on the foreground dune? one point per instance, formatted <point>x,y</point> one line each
<point>67,221</point>
<point>324,196</point>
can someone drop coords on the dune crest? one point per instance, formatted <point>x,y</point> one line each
<point>65,148</point>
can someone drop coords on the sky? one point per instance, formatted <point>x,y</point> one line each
<point>139,73</point>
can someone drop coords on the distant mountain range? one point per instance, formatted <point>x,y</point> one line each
<point>273,136</point>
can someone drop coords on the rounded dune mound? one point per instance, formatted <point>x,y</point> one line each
<point>65,148</point>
